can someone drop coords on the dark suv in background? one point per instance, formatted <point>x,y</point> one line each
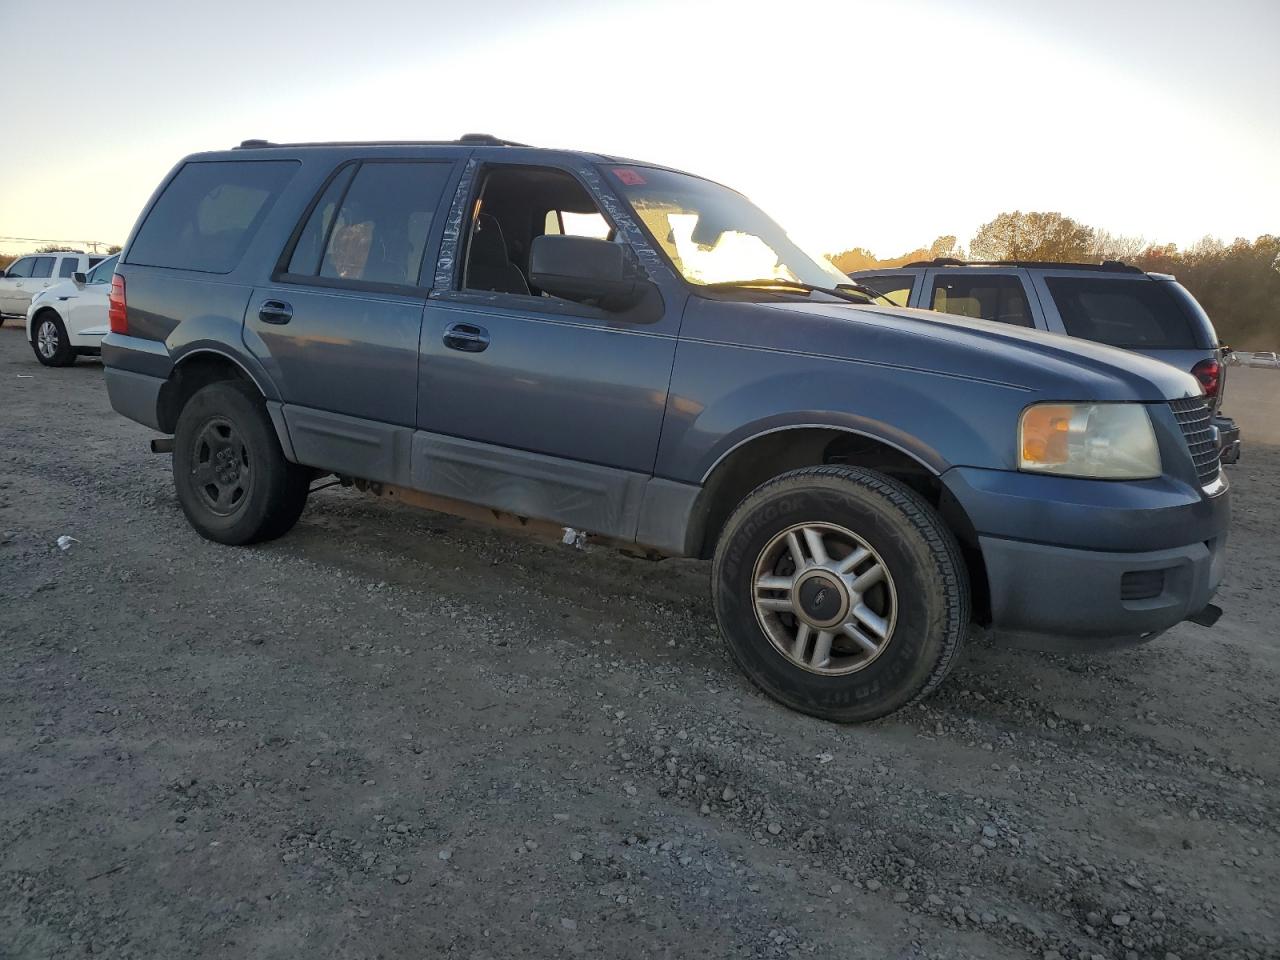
<point>1111,303</point>
<point>569,339</point>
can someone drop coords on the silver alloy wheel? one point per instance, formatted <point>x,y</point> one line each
<point>47,339</point>
<point>824,598</point>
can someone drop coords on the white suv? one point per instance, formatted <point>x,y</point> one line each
<point>28,275</point>
<point>70,318</point>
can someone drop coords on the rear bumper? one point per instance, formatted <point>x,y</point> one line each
<point>134,395</point>
<point>1084,565</point>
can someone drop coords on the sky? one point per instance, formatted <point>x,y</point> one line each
<point>853,122</point>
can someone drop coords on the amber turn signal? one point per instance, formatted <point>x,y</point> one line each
<point>1045,428</point>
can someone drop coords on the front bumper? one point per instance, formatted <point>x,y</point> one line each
<point>1067,600</point>
<point>1084,564</point>
<point>1228,439</point>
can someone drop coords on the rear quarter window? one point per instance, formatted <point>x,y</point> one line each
<point>1136,314</point>
<point>209,213</point>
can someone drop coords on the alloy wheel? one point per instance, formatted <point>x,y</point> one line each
<point>824,598</point>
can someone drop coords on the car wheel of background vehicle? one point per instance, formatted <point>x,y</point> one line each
<point>840,592</point>
<point>232,479</point>
<point>49,341</point>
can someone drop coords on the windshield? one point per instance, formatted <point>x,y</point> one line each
<point>714,235</point>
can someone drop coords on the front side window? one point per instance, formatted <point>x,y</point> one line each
<point>713,234</point>
<point>209,213</point>
<point>1137,313</point>
<point>43,267</point>
<point>894,287</point>
<point>983,297</point>
<point>516,205</point>
<point>68,266</point>
<point>103,272</point>
<point>371,224</point>
<point>21,268</point>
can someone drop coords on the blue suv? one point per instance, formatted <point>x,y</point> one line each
<point>570,339</point>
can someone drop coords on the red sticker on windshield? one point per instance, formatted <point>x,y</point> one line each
<point>628,176</point>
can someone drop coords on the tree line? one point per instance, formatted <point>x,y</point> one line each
<point>1237,283</point>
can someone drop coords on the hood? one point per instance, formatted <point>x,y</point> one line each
<point>1053,365</point>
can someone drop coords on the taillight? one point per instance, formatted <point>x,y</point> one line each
<point>117,309</point>
<point>1209,373</point>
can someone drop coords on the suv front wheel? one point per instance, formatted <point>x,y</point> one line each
<point>840,592</point>
<point>231,477</point>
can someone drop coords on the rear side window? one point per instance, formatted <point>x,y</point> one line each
<point>985,297</point>
<point>1135,313</point>
<point>371,224</point>
<point>43,267</point>
<point>209,213</point>
<point>895,286</point>
<point>68,266</point>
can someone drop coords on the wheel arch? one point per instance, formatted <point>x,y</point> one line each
<point>771,452</point>
<point>40,311</point>
<point>193,370</point>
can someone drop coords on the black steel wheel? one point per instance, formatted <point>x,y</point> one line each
<point>231,477</point>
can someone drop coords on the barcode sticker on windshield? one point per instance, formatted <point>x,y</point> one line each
<point>628,175</point>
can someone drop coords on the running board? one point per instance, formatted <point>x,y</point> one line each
<point>162,445</point>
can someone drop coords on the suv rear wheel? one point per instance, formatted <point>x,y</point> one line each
<point>232,479</point>
<point>840,592</point>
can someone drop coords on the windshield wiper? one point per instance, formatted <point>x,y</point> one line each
<point>844,291</point>
<point>867,291</point>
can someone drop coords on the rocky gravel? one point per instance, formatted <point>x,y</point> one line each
<point>398,734</point>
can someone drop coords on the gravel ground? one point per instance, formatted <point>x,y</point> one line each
<point>397,734</point>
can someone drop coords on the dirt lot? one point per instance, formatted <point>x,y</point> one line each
<point>395,734</point>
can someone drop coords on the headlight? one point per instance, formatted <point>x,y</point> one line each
<point>1104,441</point>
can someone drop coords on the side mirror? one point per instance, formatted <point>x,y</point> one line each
<point>79,279</point>
<point>585,268</point>
<point>3,274</point>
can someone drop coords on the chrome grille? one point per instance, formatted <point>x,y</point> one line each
<point>1196,420</point>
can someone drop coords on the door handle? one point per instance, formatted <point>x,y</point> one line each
<point>466,337</point>
<point>275,311</point>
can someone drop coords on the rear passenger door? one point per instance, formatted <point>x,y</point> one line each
<point>337,327</point>
<point>1002,296</point>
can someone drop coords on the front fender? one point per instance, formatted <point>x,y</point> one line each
<point>723,396</point>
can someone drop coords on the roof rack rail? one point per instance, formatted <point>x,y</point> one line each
<point>483,139</point>
<point>1109,266</point>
